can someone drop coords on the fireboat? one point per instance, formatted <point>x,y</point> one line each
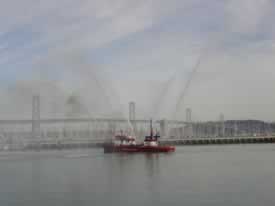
<point>127,144</point>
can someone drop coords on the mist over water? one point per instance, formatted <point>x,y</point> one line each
<point>74,88</point>
<point>70,84</point>
<point>97,94</point>
<point>158,102</point>
<point>180,101</point>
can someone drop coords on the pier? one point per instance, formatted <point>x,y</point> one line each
<point>219,141</point>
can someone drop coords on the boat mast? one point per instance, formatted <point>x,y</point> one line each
<point>151,128</point>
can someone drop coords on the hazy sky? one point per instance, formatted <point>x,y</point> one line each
<point>110,52</point>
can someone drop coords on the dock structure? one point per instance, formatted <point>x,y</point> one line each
<point>219,141</point>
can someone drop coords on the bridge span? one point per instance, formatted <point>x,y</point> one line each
<point>83,120</point>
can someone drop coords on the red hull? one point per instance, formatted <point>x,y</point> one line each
<point>137,148</point>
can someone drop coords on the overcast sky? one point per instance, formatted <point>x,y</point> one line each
<point>110,52</point>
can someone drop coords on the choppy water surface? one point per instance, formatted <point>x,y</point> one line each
<point>198,175</point>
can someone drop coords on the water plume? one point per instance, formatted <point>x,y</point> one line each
<point>161,96</point>
<point>192,75</point>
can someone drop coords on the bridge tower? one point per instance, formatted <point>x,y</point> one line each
<point>188,129</point>
<point>132,115</point>
<point>236,129</point>
<point>164,128</point>
<point>188,115</point>
<point>132,111</point>
<point>35,116</point>
<point>222,125</point>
